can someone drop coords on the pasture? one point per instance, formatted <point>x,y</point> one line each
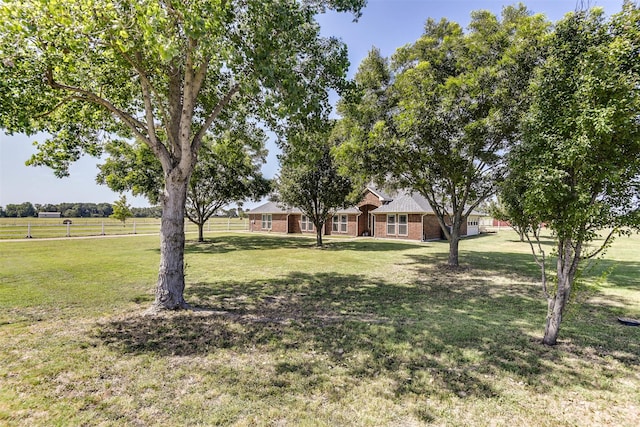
<point>38,228</point>
<point>362,333</point>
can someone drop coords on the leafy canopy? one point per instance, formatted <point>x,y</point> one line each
<point>438,117</point>
<point>121,209</point>
<point>309,178</point>
<point>578,167</point>
<point>161,72</point>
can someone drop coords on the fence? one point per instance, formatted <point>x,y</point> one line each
<point>20,228</point>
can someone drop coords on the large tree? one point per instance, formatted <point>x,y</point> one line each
<point>438,118</point>
<point>309,178</point>
<point>161,72</point>
<point>577,169</point>
<point>228,170</point>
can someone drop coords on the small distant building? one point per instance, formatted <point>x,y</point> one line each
<point>48,214</point>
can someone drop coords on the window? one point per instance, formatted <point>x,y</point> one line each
<point>399,223</point>
<point>339,224</point>
<point>266,221</point>
<point>391,225</point>
<point>402,225</point>
<point>306,224</point>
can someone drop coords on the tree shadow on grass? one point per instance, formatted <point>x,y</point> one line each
<point>590,321</point>
<point>245,242</point>
<point>427,337</point>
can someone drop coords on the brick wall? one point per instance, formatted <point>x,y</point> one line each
<point>278,223</point>
<point>370,199</point>
<point>352,226</point>
<point>432,230</point>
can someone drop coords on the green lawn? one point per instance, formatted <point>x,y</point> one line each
<point>363,332</point>
<point>42,228</point>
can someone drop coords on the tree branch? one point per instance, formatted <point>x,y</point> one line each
<point>135,125</point>
<point>542,263</point>
<point>604,245</point>
<point>197,140</point>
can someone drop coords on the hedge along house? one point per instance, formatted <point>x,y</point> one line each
<point>403,216</point>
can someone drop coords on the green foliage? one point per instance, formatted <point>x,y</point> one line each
<point>578,166</point>
<point>20,210</point>
<point>83,210</point>
<point>163,73</point>
<point>67,68</point>
<point>228,171</point>
<point>92,71</point>
<point>438,118</point>
<point>121,210</point>
<point>309,178</point>
<point>577,169</point>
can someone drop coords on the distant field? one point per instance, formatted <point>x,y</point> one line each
<point>19,228</point>
<point>363,332</point>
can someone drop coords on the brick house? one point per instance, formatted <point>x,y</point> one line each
<point>401,216</point>
<point>271,217</point>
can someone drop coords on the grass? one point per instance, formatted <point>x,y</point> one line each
<point>42,228</point>
<point>364,332</point>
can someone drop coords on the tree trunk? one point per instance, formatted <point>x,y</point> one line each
<point>201,232</point>
<point>170,287</point>
<point>566,267</point>
<point>554,318</point>
<point>318,236</point>
<point>454,239</point>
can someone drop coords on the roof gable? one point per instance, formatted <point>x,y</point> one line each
<point>383,197</point>
<point>406,203</point>
<point>270,208</point>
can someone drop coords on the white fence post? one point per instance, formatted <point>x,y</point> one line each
<point>29,231</point>
<point>69,229</point>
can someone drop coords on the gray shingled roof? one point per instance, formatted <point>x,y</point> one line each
<point>406,203</point>
<point>409,203</point>
<point>275,208</point>
<point>403,203</point>
<point>350,210</point>
<point>271,208</point>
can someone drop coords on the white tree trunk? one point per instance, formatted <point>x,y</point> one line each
<point>170,286</point>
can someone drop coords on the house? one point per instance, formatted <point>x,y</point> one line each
<point>271,217</point>
<point>399,216</point>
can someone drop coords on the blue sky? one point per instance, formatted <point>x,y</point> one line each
<point>385,24</point>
